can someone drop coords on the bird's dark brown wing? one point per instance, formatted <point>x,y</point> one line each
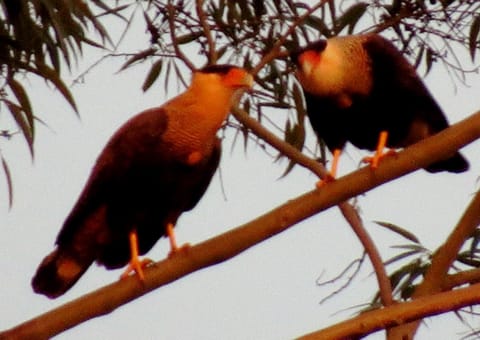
<point>129,148</point>
<point>187,184</point>
<point>399,89</point>
<point>142,184</point>
<point>402,104</point>
<point>91,225</point>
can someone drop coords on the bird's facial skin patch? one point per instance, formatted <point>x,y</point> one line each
<point>320,72</point>
<point>308,61</point>
<point>238,77</point>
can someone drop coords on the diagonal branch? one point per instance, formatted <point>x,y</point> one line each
<point>348,211</point>
<point>234,242</point>
<point>376,320</point>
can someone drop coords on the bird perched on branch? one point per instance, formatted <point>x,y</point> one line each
<point>360,88</point>
<point>155,167</point>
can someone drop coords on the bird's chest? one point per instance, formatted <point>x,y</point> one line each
<point>188,149</point>
<point>188,142</point>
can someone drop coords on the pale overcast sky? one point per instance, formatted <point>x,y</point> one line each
<point>270,291</point>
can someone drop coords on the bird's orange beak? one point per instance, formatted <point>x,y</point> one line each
<point>239,77</point>
<point>308,60</point>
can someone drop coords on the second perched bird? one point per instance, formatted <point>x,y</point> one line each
<point>155,167</point>
<point>360,87</point>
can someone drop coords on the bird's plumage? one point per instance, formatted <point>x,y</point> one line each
<point>357,86</point>
<point>155,167</point>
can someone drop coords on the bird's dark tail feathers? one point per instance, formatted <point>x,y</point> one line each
<point>58,272</point>
<point>457,163</point>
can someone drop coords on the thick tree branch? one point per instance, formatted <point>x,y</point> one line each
<point>286,149</point>
<point>233,242</point>
<point>376,320</point>
<point>464,277</point>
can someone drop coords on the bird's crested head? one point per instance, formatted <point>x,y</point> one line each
<point>334,68</point>
<point>229,76</point>
<point>308,57</point>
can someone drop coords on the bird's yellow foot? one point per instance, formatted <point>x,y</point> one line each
<point>174,248</point>
<point>329,178</point>
<point>179,250</point>
<point>136,265</point>
<point>379,153</point>
<point>375,159</point>
<point>333,171</point>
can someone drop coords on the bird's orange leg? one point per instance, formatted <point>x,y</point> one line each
<point>136,265</point>
<point>379,153</point>
<point>333,170</point>
<point>174,249</point>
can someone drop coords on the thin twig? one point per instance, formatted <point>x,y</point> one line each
<point>171,25</point>
<point>356,264</point>
<point>212,53</point>
<point>286,149</point>
<point>384,286</point>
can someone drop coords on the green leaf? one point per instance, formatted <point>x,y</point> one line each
<point>297,94</point>
<point>152,74</point>
<point>402,256</point>
<point>473,37</point>
<point>8,177</point>
<point>24,102</point>
<point>17,114</point>
<point>318,24</point>
<point>295,136</point>
<point>419,57</point>
<point>351,17</point>
<point>400,231</point>
<point>137,57</point>
<point>429,58</point>
<point>186,38</point>
<point>50,74</point>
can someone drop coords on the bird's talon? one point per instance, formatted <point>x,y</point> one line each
<point>136,267</point>
<point>324,181</point>
<point>375,159</point>
<point>179,250</point>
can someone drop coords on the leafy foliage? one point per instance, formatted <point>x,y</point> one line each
<point>413,260</point>
<point>38,37</point>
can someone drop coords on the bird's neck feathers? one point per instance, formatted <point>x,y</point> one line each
<point>213,97</point>
<point>203,107</point>
<point>342,70</point>
<point>195,116</point>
